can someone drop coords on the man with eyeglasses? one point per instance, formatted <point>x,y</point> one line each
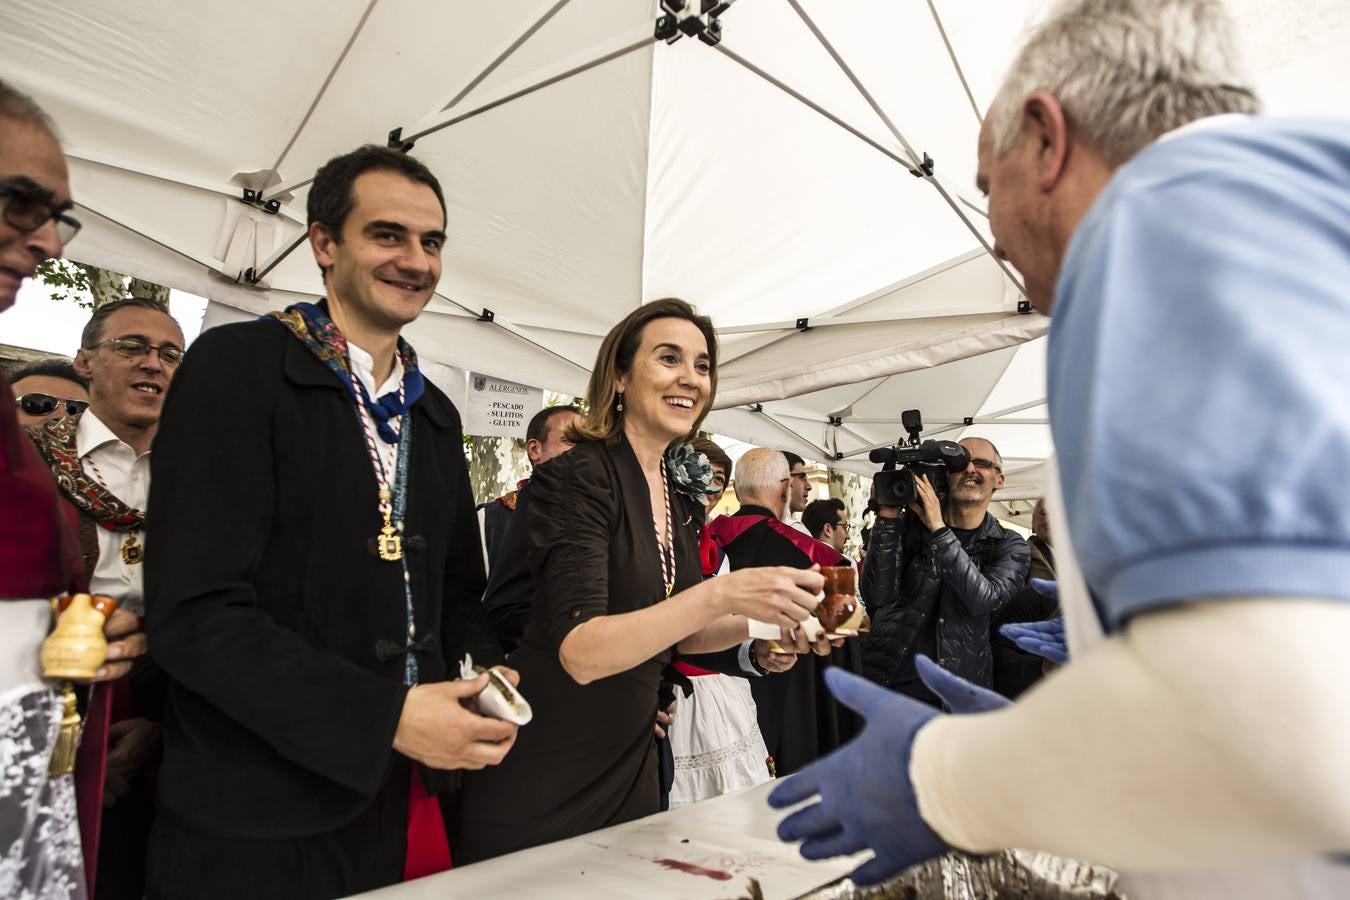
<point>129,351</point>
<point>49,389</point>
<point>935,577</point>
<point>39,550</point>
<point>827,521</point>
<point>799,491</point>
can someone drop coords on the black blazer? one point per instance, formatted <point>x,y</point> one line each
<point>265,599</point>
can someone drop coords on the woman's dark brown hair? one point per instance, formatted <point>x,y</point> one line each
<point>716,455</point>
<point>602,421</point>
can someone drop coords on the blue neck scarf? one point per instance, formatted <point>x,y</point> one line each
<point>310,323</point>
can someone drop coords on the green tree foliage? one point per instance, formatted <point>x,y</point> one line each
<point>90,286</point>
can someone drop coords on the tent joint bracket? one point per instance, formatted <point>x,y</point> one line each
<point>395,141</point>
<point>255,199</point>
<point>924,169</point>
<point>692,18</point>
<point>487,315</point>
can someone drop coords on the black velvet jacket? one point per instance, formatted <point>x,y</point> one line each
<point>266,603</point>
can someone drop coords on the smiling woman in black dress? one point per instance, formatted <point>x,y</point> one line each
<point>618,590</point>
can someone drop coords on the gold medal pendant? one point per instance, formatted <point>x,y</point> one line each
<point>389,543</point>
<point>132,552</point>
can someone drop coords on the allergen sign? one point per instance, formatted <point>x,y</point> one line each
<point>498,408</point>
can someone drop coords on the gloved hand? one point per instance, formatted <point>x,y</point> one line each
<point>866,798</point>
<point>1045,639</point>
<point>959,695</point>
<point>1046,588</point>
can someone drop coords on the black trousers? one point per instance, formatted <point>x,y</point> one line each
<point>362,855</point>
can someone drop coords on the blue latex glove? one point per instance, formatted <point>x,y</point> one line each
<point>1044,639</point>
<point>959,695</point>
<point>866,798</point>
<point>1046,588</point>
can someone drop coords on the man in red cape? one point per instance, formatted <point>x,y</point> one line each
<point>799,718</point>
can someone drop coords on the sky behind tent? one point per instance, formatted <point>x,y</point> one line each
<point>38,322</point>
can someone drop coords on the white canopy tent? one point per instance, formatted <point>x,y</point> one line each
<point>776,179</point>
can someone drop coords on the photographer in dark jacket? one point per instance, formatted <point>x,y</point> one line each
<point>931,584</point>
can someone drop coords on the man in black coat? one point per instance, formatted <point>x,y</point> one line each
<point>314,574</point>
<point>932,583</point>
<point>509,597</point>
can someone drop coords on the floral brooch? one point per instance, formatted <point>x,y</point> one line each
<point>689,470</point>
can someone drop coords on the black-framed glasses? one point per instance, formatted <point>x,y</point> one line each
<point>847,526</point>
<point>35,404</point>
<point>28,209</point>
<point>136,348</point>
<point>985,464</point>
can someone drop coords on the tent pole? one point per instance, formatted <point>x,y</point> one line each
<point>253,277</point>
<point>635,39</point>
<point>626,43</point>
<point>825,455</point>
<point>945,312</point>
<point>916,161</point>
<point>174,178</point>
<point>209,262</point>
<point>508,48</point>
<point>323,89</point>
<point>992,418</point>
<point>511,328</point>
<point>987,420</point>
<point>937,20</point>
<point>805,101</point>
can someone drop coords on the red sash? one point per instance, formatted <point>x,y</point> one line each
<point>428,848</point>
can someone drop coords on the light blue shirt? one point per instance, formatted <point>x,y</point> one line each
<point>1199,369</point>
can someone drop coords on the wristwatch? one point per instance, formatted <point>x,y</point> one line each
<point>754,659</point>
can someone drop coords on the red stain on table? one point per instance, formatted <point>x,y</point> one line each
<point>691,869</point>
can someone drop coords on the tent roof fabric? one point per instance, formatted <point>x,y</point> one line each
<point>589,168</point>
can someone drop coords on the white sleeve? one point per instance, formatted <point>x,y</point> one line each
<point>743,657</point>
<point>1204,735</point>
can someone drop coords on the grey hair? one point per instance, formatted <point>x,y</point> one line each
<point>16,106</point>
<point>760,474</point>
<point>998,457</point>
<point>1126,72</point>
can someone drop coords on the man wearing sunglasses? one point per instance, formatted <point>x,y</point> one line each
<point>935,577</point>
<point>827,521</point>
<point>100,458</point>
<point>49,389</point>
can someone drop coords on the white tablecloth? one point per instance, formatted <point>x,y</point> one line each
<point>708,850</point>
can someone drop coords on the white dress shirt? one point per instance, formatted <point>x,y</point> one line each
<point>111,462</point>
<point>363,366</point>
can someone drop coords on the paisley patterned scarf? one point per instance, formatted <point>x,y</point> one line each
<point>309,322</point>
<point>55,440</point>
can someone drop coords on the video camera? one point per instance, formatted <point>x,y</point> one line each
<point>902,463</point>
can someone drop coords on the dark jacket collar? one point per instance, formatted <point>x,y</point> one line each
<point>989,528</point>
<point>750,509</point>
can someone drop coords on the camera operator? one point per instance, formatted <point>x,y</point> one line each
<point>932,583</point>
